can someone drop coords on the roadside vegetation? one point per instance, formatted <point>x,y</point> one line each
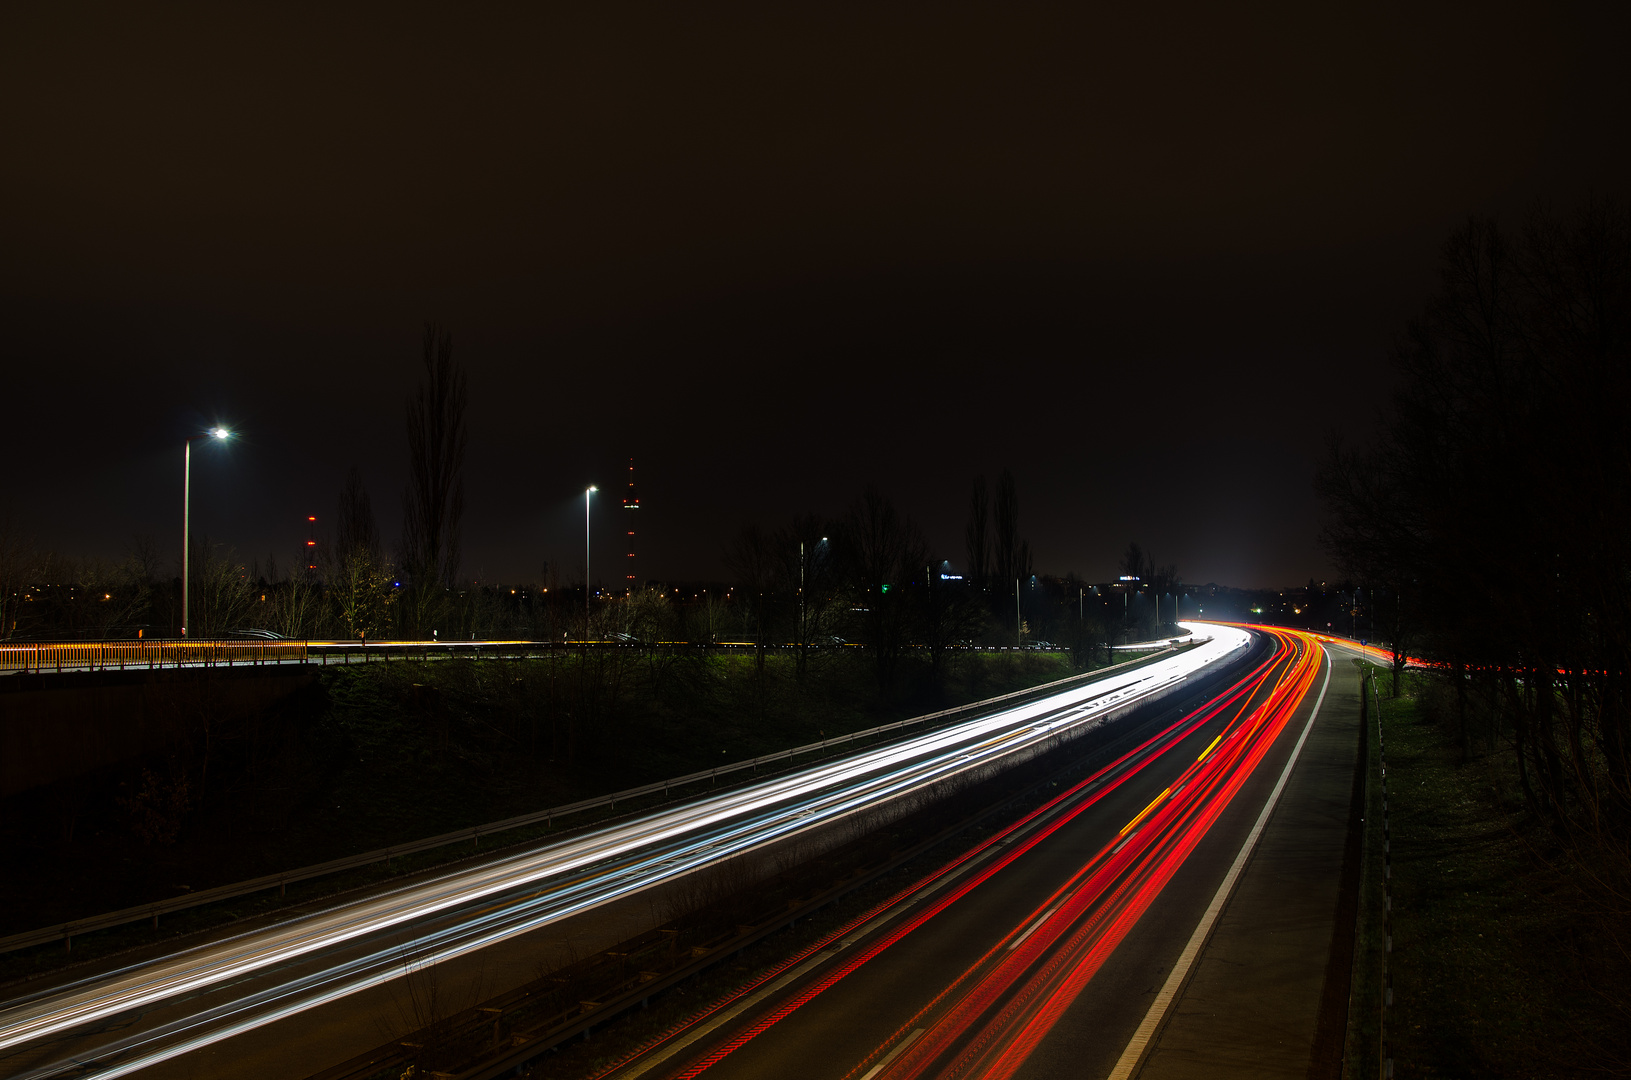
<point>1506,960</point>
<point>1488,522</point>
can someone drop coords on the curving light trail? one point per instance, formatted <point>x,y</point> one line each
<point>1103,902</point>
<point>128,1019</point>
<point>989,1019</point>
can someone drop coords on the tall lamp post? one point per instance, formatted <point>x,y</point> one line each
<point>186,517</point>
<point>590,490</point>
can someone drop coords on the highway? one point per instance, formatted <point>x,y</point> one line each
<point>122,1021</point>
<point>1031,953</point>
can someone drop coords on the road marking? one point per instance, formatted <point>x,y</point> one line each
<point>641,1068</point>
<point>1133,1055</point>
<point>892,1055</point>
<point>1144,813</point>
<point>1208,749</point>
<point>1021,939</point>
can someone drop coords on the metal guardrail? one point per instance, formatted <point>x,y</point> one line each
<point>66,931</point>
<point>153,654</point>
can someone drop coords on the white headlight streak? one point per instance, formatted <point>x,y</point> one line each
<point>128,1019</point>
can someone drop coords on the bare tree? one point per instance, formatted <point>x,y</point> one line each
<point>18,562</point>
<point>359,579</point>
<point>806,566</point>
<point>222,595</point>
<point>752,558</point>
<point>1134,563</point>
<point>884,552</point>
<point>976,537</point>
<point>433,504</point>
<point>295,604</point>
<point>1012,554</point>
<point>1491,515</point>
<point>712,615</point>
<point>951,614</point>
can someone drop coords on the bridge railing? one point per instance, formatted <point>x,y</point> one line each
<point>59,655</point>
<point>44,657</point>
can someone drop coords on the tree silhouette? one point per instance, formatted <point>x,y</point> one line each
<point>433,504</point>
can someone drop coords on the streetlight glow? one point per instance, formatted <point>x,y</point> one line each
<point>222,434</point>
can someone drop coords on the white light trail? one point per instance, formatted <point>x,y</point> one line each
<point>567,877</point>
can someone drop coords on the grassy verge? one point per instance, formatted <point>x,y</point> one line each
<point>1490,955</point>
<point>1362,1058</point>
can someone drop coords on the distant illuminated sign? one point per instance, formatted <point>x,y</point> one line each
<point>1130,577</point>
<point>951,577</point>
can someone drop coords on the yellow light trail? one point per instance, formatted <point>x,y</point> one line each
<point>1144,813</point>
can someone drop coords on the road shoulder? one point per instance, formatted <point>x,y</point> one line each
<point>1258,1002</point>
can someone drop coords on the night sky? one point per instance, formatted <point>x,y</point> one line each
<point>1146,259</point>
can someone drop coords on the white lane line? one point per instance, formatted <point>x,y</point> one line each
<point>893,912</point>
<point>206,968</point>
<point>643,1067</point>
<point>1032,929</point>
<point>892,1055</point>
<point>1133,1056</point>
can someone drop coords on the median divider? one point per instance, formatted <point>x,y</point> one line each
<point>66,931</point>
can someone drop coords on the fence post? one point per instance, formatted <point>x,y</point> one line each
<point>1387,893</point>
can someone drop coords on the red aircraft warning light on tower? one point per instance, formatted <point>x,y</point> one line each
<point>631,501</point>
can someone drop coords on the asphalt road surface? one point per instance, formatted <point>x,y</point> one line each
<point>280,982</point>
<point>1172,915</point>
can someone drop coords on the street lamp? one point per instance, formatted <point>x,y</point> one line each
<point>222,434</point>
<point>590,490</point>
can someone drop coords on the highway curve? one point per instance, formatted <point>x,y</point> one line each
<point>126,1020</point>
<point>1030,954</point>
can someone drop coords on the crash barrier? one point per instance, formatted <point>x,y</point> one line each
<point>50,657</point>
<point>66,932</point>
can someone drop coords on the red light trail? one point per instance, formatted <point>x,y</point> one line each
<point>1033,974</point>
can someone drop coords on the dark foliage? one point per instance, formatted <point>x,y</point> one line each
<point>1490,522</point>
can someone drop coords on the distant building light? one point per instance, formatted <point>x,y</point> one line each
<point>951,577</point>
<point>1130,577</point>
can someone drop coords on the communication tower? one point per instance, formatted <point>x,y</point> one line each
<point>631,501</point>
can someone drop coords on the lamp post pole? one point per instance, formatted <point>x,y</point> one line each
<point>186,519</point>
<point>186,528</point>
<point>590,490</point>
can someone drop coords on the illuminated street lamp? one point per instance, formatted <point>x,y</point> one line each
<point>222,434</point>
<point>590,490</point>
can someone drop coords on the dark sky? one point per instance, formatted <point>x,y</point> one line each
<point>1146,259</point>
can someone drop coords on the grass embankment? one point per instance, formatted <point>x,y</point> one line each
<point>381,754</point>
<point>1494,959</point>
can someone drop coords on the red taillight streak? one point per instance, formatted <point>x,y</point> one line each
<point>1130,903</point>
<point>1245,686</point>
<point>1184,726</point>
<point>1158,848</point>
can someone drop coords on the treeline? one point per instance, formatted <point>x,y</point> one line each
<point>1491,516</point>
<point>866,577</point>
<point>870,577</point>
<point>349,588</point>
